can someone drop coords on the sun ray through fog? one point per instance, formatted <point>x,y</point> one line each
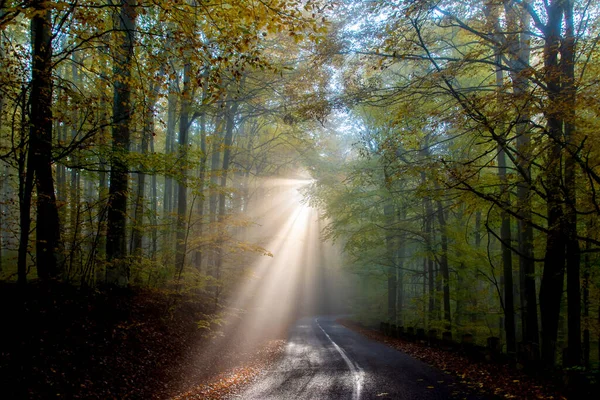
<point>278,288</point>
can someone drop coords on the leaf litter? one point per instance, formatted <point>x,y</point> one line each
<point>492,380</point>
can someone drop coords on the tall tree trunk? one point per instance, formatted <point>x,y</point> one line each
<point>2,179</point>
<point>40,145</point>
<point>431,273</point>
<point>390,245</point>
<point>443,260</point>
<point>154,206</point>
<point>389,213</point>
<point>460,272</point>
<point>400,253</point>
<point>170,144</point>
<point>184,124</point>
<point>104,139</point>
<point>137,231</point>
<point>61,170</point>
<point>444,268</point>
<point>26,182</point>
<point>216,140</point>
<point>554,263</point>
<point>74,188</point>
<point>428,225</point>
<point>24,191</point>
<point>518,21</point>
<point>26,176</point>
<point>586,302</point>
<point>573,257</point>
<point>201,177</point>
<point>117,273</point>
<point>230,114</point>
<point>506,237</point>
<point>505,229</point>
<point>3,175</point>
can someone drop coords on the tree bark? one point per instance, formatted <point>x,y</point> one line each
<point>400,253</point>
<point>505,228</point>
<point>554,263</point>
<point>430,265</point>
<point>170,144</point>
<point>518,22</point>
<point>184,122</point>
<point>117,273</point>
<point>390,245</point>
<point>213,194</point>
<point>137,230</point>
<point>230,114</point>
<point>75,184</point>
<point>573,257</point>
<point>3,177</point>
<point>586,303</point>
<point>429,235</point>
<point>26,182</point>
<point>198,254</point>
<point>444,268</point>
<point>61,132</point>
<point>147,136</point>
<point>154,205</point>
<point>40,145</point>
<point>201,176</point>
<point>104,139</point>
<point>474,299</point>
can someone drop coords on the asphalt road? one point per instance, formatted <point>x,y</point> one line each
<point>325,360</point>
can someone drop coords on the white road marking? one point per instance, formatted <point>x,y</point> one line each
<point>356,371</point>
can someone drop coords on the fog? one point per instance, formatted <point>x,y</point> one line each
<point>299,274</point>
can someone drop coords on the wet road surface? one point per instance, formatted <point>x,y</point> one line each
<point>325,360</point>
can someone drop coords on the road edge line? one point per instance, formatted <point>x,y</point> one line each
<point>354,368</point>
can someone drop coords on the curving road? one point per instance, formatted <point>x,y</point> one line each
<point>325,360</point>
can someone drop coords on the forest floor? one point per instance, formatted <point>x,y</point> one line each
<point>492,379</point>
<point>71,343</point>
<point>233,381</point>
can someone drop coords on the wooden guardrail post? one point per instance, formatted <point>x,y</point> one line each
<point>432,336</point>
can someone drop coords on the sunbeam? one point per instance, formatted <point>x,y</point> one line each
<point>298,279</point>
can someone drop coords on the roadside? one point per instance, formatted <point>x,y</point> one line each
<point>145,344</point>
<point>486,378</point>
<point>230,383</point>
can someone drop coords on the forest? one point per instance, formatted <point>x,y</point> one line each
<point>181,173</point>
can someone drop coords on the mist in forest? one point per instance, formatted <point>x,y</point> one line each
<point>298,274</point>
<point>301,273</point>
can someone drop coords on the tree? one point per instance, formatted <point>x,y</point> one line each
<point>40,145</point>
<point>117,272</point>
